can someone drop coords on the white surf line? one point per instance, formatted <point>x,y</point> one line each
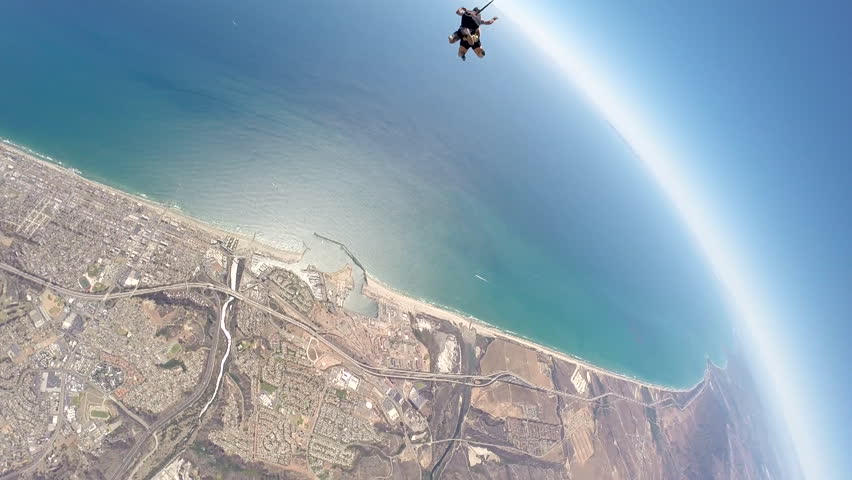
<point>481,278</point>
<point>225,308</point>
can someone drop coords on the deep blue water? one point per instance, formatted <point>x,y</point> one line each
<point>344,121</point>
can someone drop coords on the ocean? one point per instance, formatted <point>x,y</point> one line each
<point>486,186</point>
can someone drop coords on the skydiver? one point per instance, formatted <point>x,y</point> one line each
<point>469,32</point>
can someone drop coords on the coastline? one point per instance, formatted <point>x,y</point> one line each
<point>280,253</point>
<point>373,287</point>
<point>376,289</point>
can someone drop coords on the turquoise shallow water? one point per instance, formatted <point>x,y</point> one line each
<point>430,177</point>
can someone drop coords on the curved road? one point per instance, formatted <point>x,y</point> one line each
<point>466,379</point>
<point>175,411</point>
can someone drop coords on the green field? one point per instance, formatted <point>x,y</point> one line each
<point>267,387</point>
<point>99,414</point>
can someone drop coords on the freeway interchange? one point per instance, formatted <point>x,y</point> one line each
<point>471,380</point>
<point>466,379</point>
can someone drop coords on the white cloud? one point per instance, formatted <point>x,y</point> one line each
<point>571,60</point>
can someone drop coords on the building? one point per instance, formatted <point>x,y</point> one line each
<point>578,381</point>
<point>417,399</point>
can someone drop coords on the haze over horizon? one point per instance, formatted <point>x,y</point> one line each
<point>699,195</point>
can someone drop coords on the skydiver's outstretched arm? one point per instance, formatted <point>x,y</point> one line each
<point>461,11</point>
<point>489,22</point>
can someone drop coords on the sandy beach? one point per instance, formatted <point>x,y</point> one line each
<point>377,290</point>
<point>373,288</point>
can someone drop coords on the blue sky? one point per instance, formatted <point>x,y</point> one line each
<point>751,103</point>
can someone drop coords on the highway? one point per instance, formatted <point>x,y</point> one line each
<point>380,371</point>
<point>458,378</point>
<point>223,325</point>
<point>175,411</point>
<point>466,379</point>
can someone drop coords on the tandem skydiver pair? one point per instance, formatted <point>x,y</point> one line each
<point>469,31</point>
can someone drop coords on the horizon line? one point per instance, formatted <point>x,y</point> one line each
<point>740,289</point>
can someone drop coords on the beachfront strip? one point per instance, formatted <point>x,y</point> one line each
<point>111,351</point>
